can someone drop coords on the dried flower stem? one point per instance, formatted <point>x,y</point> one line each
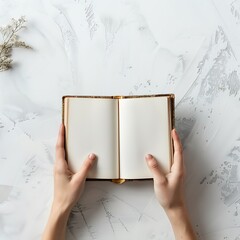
<point>10,40</point>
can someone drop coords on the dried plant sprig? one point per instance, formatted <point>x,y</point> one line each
<point>10,40</point>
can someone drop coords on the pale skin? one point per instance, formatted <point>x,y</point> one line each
<point>169,192</point>
<point>68,188</point>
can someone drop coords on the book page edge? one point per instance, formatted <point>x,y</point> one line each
<point>65,107</point>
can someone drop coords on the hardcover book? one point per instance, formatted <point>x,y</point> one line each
<point>120,130</point>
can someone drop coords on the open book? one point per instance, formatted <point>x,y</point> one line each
<point>120,130</point>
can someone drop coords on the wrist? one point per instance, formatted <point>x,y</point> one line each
<point>180,222</point>
<point>174,206</point>
<point>176,212</point>
<point>60,211</point>
<point>57,223</point>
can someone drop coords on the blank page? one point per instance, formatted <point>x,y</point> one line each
<point>144,128</point>
<point>92,128</point>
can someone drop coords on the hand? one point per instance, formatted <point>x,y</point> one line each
<point>169,188</point>
<point>68,186</point>
<point>169,191</point>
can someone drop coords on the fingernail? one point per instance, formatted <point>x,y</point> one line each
<point>148,156</point>
<point>91,156</point>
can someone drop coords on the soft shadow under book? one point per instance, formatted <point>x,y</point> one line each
<point>120,130</point>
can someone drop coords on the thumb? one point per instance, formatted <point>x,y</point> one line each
<point>86,166</point>
<point>154,167</point>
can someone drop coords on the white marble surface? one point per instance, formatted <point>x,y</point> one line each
<point>106,47</point>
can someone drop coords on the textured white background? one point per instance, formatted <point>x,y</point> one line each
<point>106,47</point>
